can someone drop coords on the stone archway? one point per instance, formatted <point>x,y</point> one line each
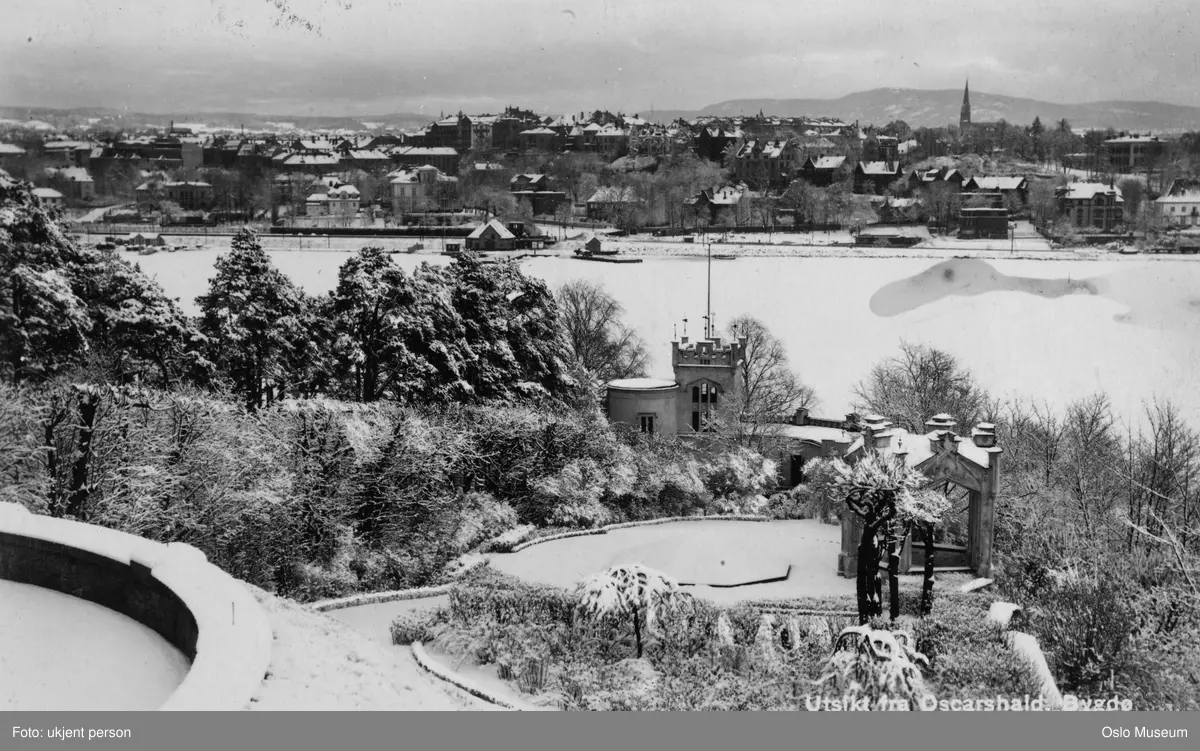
<point>972,464</point>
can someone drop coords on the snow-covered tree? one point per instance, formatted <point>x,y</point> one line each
<point>634,593</point>
<point>396,336</point>
<point>255,319</point>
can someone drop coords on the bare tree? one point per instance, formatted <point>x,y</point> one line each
<point>770,393</point>
<point>918,383</point>
<point>591,322</point>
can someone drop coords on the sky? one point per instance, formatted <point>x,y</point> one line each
<point>362,57</point>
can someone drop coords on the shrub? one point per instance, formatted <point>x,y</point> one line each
<point>1083,624</point>
<point>416,625</point>
<point>506,601</point>
<point>504,543</point>
<point>482,517</point>
<point>875,665</point>
<point>738,474</point>
<point>968,656</point>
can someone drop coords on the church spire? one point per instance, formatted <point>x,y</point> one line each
<point>964,116</point>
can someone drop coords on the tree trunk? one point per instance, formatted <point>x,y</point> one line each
<point>89,404</point>
<point>637,633</point>
<point>927,583</point>
<point>868,569</point>
<point>894,578</point>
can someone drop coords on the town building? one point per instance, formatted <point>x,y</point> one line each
<point>491,236</point>
<point>1000,189</point>
<point>1179,206</point>
<point>1092,205</point>
<point>340,201</point>
<point>989,222</point>
<point>535,188</point>
<point>422,188</point>
<point>10,154</point>
<point>724,206</point>
<point>608,202</point>
<point>712,143</point>
<point>919,179</point>
<point>875,177</point>
<point>49,197</point>
<point>75,182</point>
<point>191,196</point>
<point>821,171</point>
<point>444,158</point>
<point>1131,153</point>
<point>763,164</point>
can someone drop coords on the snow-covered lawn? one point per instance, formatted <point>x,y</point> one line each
<point>718,552</point>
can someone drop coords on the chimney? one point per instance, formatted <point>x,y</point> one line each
<point>800,417</point>
<point>984,435</point>
<point>941,422</point>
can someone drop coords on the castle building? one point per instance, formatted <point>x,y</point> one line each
<point>706,375</point>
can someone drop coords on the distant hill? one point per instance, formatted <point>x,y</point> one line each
<point>79,116</point>
<point>922,107</point>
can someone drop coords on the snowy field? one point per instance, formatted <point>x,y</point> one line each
<point>1049,330</point>
<point>51,658</point>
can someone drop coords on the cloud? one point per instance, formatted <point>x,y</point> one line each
<point>562,56</point>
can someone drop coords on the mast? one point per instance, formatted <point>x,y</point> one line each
<point>708,299</point>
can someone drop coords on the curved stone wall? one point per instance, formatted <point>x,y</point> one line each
<point>170,588</point>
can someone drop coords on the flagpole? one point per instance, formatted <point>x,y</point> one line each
<point>708,299</point>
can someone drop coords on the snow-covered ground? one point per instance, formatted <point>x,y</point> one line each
<point>320,664</point>
<point>718,552</point>
<point>63,653</point>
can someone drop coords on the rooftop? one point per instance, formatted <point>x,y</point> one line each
<point>1087,191</point>
<point>642,384</point>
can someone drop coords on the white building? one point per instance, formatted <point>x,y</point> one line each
<point>342,200</point>
<point>421,189</point>
<point>1182,210</point>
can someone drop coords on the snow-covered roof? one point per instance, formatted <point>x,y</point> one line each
<point>10,149</point>
<point>998,183</point>
<point>1088,191</point>
<point>816,433</point>
<point>47,193</point>
<point>424,151</point>
<point>311,159</point>
<point>642,384</point>
<point>344,191</point>
<point>1189,197</point>
<point>495,224</point>
<point>538,132</point>
<point>765,149</point>
<point>878,168</point>
<point>318,198</point>
<point>918,448</point>
<point>828,162</point>
<point>366,155</point>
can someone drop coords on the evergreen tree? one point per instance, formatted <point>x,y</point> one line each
<point>254,318</point>
<point>511,331</point>
<point>395,336</point>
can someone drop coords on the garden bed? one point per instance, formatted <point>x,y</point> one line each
<point>534,636</point>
